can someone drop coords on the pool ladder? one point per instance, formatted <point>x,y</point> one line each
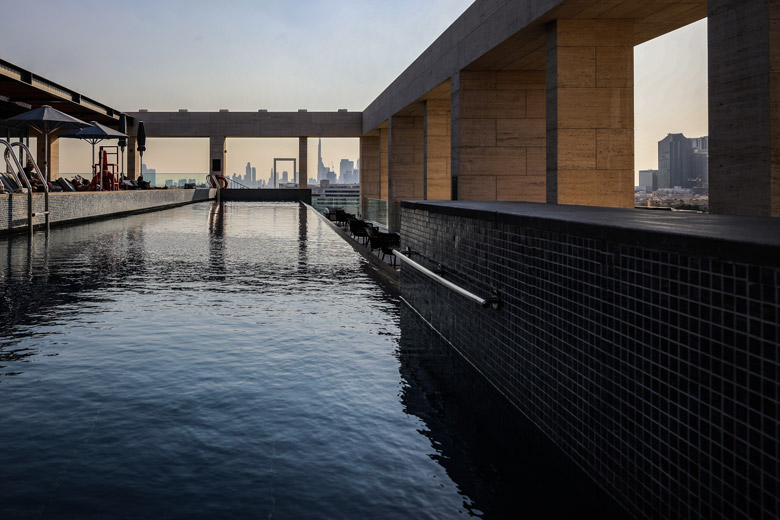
<point>14,167</point>
<point>214,181</point>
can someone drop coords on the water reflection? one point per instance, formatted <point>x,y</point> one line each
<point>216,265</point>
<point>504,466</point>
<point>65,269</point>
<point>258,355</point>
<point>303,232</point>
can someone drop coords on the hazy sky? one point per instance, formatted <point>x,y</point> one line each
<point>315,54</point>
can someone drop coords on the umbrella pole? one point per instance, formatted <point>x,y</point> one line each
<point>46,155</point>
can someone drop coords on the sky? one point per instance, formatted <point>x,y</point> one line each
<point>244,55</point>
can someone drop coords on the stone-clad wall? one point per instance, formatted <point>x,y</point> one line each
<point>65,207</point>
<point>649,355</point>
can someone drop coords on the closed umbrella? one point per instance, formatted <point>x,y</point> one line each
<point>93,134</point>
<point>141,142</point>
<point>48,121</point>
<point>123,140</point>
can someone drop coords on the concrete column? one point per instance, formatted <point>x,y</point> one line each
<point>406,172</point>
<point>133,159</point>
<point>498,135</point>
<point>370,172</point>
<point>54,155</point>
<point>590,112</point>
<point>303,162</point>
<point>437,150</point>
<point>744,107</point>
<point>217,154</point>
<point>384,161</point>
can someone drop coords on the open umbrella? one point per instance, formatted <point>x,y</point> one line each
<point>48,121</point>
<point>93,134</point>
<point>141,142</point>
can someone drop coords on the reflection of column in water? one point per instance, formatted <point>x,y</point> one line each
<point>136,251</point>
<point>303,230</point>
<point>217,219</point>
<point>216,241</point>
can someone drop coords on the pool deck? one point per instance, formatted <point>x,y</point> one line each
<point>383,267</point>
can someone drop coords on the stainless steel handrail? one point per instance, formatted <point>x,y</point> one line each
<point>215,182</point>
<point>240,186</point>
<point>9,151</point>
<point>41,178</point>
<point>494,301</point>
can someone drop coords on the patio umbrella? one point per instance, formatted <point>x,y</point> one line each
<point>93,134</point>
<point>48,121</point>
<point>141,142</point>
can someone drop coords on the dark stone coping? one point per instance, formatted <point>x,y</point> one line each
<point>736,238</point>
<point>267,195</point>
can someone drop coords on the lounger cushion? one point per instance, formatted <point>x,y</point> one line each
<point>65,184</point>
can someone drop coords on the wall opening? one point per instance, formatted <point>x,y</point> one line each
<point>671,144</point>
<point>175,162</point>
<point>250,161</point>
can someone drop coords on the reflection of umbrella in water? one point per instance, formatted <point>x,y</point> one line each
<point>47,120</point>
<point>93,134</point>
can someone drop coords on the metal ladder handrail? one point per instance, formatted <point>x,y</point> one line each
<point>41,178</point>
<point>215,181</point>
<point>242,186</point>
<point>10,152</point>
<point>494,301</point>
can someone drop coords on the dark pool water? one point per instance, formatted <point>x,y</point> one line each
<point>243,362</point>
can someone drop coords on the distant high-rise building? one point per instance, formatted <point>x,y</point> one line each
<point>346,169</point>
<point>675,161</point>
<point>682,161</point>
<point>254,177</point>
<point>648,179</point>
<point>321,170</point>
<point>701,160</point>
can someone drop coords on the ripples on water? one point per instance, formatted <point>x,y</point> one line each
<point>242,361</point>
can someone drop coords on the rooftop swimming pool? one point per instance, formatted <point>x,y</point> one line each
<point>243,361</point>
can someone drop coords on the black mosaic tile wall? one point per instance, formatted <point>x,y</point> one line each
<point>656,371</point>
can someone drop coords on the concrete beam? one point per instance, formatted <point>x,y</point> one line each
<point>590,113</point>
<point>509,35</point>
<point>250,124</point>
<point>744,107</point>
